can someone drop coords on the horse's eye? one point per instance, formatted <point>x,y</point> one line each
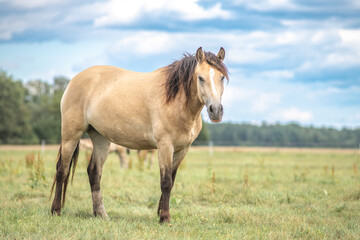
<point>201,79</point>
<point>222,79</point>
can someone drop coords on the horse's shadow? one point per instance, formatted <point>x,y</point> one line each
<point>83,214</point>
<point>116,216</point>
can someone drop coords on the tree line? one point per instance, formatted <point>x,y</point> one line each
<point>282,135</point>
<point>30,113</point>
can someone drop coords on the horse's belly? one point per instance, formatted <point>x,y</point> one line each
<point>124,132</point>
<point>133,140</point>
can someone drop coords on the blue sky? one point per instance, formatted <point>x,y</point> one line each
<point>289,60</point>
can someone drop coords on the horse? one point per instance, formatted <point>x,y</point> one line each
<point>144,155</point>
<point>155,110</point>
<point>121,151</point>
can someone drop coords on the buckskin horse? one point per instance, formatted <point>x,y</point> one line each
<point>157,110</point>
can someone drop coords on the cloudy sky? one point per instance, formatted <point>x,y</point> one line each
<point>289,60</point>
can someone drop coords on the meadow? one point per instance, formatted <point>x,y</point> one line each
<point>234,193</point>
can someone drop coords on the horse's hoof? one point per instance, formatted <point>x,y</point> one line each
<point>164,217</point>
<point>101,214</point>
<point>164,220</point>
<point>55,211</point>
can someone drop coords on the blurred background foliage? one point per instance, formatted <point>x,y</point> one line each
<point>30,113</point>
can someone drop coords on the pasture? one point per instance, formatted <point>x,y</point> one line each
<point>236,193</point>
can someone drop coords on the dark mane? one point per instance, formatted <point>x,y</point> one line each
<point>181,72</point>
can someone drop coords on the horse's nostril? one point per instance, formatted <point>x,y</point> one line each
<point>221,108</point>
<point>211,108</point>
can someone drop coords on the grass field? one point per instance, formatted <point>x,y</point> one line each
<point>235,194</point>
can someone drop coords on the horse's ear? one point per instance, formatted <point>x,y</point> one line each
<point>200,56</point>
<point>221,54</point>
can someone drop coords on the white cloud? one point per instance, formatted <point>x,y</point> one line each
<point>243,55</point>
<point>350,38</point>
<point>328,24</point>
<point>355,3</point>
<point>265,101</point>
<point>297,6</point>
<point>299,51</point>
<point>189,10</point>
<point>293,114</point>
<point>13,24</point>
<point>235,95</point>
<point>9,27</point>
<point>333,60</point>
<point>33,4</point>
<point>256,101</point>
<point>288,38</point>
<point>53,15</point>
<point>116,12</point>
<point>276,74</point>
<point>146,43</point>
<point>341,60</point>
<point>269,5</point>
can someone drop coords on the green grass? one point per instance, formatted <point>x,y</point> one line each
<point>269,195</point>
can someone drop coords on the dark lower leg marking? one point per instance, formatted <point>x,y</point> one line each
<point>62,179</point>
<point>94,179</point>
<point>56,205</point>
<point>166,186</point>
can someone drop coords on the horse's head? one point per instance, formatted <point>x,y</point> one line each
<point>210,73</point>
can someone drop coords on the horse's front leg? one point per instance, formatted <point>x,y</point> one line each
<point>165,163</point>
<point>176,160</point>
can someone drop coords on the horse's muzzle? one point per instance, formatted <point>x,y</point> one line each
<point>215,112</point>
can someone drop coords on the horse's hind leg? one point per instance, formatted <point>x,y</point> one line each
<point>98,157</point>
<point>66,153</point>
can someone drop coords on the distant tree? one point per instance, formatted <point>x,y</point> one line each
<point>39,94</point>
<point>44,102</point>
<point>59,86</point>
<point>60,83</point>
<point>15,127</point>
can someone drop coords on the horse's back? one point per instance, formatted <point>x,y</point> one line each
<point>99,75</point>
<point>91,83</point>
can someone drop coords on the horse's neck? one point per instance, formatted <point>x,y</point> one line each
<point>192,106</point>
